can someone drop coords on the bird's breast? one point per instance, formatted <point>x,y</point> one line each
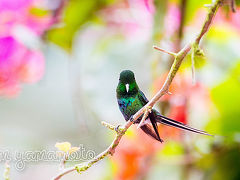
<point>129,106</point>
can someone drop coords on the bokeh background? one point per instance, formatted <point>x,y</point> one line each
<point>59,67</point>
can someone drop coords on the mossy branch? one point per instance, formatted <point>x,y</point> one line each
<point>164,90</point>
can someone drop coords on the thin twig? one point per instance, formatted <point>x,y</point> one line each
<point>164,90</point>
<point>109,126</point>
<point>110,150</point>
<point>165,51</point>
<point>145,115</point>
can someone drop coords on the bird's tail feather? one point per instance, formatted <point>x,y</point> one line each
<point>170,122</point>
<point>154,124</point>
<point>149,131</point>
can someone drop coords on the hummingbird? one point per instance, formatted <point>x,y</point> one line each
<point>131,99</point>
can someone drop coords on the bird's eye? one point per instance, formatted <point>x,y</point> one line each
<point>127,87</point>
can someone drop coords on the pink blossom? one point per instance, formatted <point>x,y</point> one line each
<point>14,5</point>
<point>132,18</point>
<point>33,68</point>
<point>149,5</point>
<point>172,20</point>
<point>11,15</point>
<point>232,19</point>
<point>17,65</point>
<point>235,18</point>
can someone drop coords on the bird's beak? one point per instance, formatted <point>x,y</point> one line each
<point>127,87</point>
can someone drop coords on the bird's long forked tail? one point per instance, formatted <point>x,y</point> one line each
<point>149,131</point>
<point>170,122</point>
<point>154,125</point>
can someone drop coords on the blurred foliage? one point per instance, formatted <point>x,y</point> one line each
<point>76,14</point>
<point>220,35</point>
<point>161,9</point>
<point>226,99</point>
<point>172,148</point>
<point>222,162</point>
<point>38,11</point>
<point>200,61</point>
<point>193,7</point>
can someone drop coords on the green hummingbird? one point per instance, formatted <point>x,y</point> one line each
<point>131,99</point>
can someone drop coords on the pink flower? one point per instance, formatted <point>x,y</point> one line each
<point>13,5</point>
<point>32,69</point>
<point>133,18</point>
<point>235,18</point>
<point>172,20</point>
<point>17,65</point>
<point>13,13</point>
<point>7,46</point>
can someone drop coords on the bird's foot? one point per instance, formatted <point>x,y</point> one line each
<point>117,129</point>
<point>131,119</point>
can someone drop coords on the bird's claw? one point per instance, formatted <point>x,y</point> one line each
<point>117,128</point>
<point>131,119</point>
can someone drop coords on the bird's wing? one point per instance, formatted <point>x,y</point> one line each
<point>144,100</point>
<point>122,106</point>
<point>170,122</point>
<point>142,97</point>
<point>149,131</point>
<point>154,124</point>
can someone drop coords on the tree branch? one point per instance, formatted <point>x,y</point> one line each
<point>165,51</point>
<point>164,90</point>
<point>145,115</point>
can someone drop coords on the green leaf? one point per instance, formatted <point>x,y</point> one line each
<point>222,162</point>
<point>38,12</point>
<point>226,99</point>
<point>199,61</point>
<point>193,7</point>
<point>172,148</point>
<point>76,14</point>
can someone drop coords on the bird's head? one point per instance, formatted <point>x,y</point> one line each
<point>127,84</point>
<point>127,77</point>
